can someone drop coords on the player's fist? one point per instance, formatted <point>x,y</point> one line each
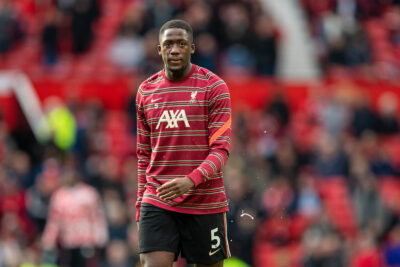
<point>174,188</point>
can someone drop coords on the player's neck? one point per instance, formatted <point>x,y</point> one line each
<point>178,75</point>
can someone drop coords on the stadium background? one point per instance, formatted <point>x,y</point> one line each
<point>313,177</point>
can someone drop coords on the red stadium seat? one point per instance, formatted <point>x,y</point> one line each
<point>367,258</point>
<point>389,189</point>
<point>336,199</point>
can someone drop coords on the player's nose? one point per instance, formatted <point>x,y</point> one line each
<point>175,49</point>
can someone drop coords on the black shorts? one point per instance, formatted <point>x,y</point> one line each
<point>200,239</point>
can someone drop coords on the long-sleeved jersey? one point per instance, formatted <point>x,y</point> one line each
<point>183,129</point>
<point>76,219</point>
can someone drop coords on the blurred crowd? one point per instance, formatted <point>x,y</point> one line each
<point>85,193</point>
<point>230,36</point>
<point>315,187</point>
<point>355,33</point>
<point>314,181</point>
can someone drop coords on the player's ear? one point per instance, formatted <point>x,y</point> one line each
<point>159,49</point>
<point>192,48</point>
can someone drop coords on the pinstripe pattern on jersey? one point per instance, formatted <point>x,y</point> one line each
<point>176,104</point>
<point>220,111</point>
<point>205,99</point>
<point>170,177</point>
<point>202,77</point>
<point>218,98</point>
<point>155,81</point>
<point>180,133</point>
<point>180,148</point>
<point>143,132</point>
<point>180,89</point>
<point>176,163</point>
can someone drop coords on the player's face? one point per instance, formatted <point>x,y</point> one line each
<point>175,49</point>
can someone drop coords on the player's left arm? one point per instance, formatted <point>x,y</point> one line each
<point>219,128</point>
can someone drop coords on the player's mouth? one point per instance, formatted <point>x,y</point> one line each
<point>175,60</point>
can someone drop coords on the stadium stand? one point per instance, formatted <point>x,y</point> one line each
<point>316,164</point>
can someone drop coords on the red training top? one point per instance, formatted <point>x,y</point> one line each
<point>183,130</point>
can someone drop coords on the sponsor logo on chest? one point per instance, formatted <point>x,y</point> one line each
<point>172,117</point>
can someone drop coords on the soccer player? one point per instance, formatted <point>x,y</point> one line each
<point>76,222</point>
<point>184,119</point>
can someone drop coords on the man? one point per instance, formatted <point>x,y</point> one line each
<point>76,222</point>
<point>184,118</point>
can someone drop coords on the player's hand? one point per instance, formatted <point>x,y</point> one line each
<point>174,188</point>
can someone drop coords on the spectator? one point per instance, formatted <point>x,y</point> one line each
<point>264,45</point>
<point>235,28</point>
<point>84,13</point>
<point>278,198</point>
<point>238,59</point>
<point>20,167</point>
<point>116,214</point>
<point>161,11</point>
<point>206,51</point>
<point>368,206</point>
<point>38,200</point>
<point>387,122</point>
<point>322,244</point>
<point>329,158</point>
<point>392,247</point>
<point>151,63</point>
<point>127,49</point>
<point>198,15</point>
<point>308,201</point>
<point>363,117</point>
<point>285,161</point>
<point>278,108</point>
<point>10,30</point>
<point>357,48</point>
<point>242,227</point>
<point>392,19</point>
<point>334,115</point>
<point>50,37</point>
<point>348,11</point>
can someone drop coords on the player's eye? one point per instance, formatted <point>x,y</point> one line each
<point>167,44</point>
<point>182,44</point>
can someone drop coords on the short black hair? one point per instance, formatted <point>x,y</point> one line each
<point>177,23</point>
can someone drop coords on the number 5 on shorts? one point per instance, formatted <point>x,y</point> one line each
<point>214,237</point>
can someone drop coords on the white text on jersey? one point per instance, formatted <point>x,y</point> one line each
<point>172,117</point>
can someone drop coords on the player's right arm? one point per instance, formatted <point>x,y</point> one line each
<point>143,149</point>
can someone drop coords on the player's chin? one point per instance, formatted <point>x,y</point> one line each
<point>176,68</point>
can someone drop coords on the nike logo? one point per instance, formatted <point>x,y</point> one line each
<point>154,100</point>
<point>210,253</point>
